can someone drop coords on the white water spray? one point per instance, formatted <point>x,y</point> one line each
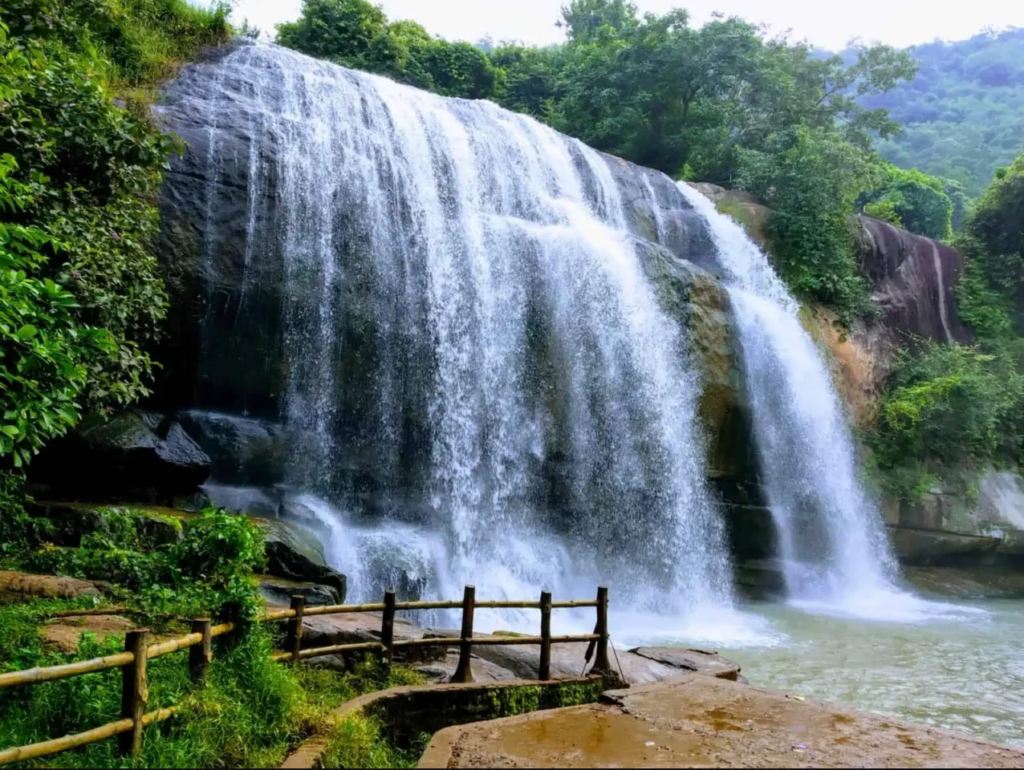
<point>831,536</point>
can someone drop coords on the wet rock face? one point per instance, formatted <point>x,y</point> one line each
<point>296,553</point>
<point>227,353</point>
<point>133,456</point>
<point>913,281</point>
<point>946,527</point>
<point>242,450</point>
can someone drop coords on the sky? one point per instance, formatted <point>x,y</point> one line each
<point>829,25</point>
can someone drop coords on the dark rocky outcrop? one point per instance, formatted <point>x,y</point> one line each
<point>913,282</point>
<point>133,456</point>
<point>295,553</point>
<point>279,591</point>
<point>242,450</point>
<point>227,354</point>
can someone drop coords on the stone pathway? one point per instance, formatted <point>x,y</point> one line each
<point>700,721</point>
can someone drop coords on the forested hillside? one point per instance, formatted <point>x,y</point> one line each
<point>964,112</point>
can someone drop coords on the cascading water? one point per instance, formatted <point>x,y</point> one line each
<point>831,537</point>
<point>471,348</point>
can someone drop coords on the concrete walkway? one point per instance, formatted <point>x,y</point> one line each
<point>699,721</point>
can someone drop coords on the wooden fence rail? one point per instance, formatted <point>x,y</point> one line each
<point>137,652</point>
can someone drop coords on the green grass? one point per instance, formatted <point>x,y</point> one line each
<point>144,42</point>
<point>251,712</point>
<point>361,741</point>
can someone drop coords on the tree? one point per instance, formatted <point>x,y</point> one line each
<point>811,178</point>
<point>353,33</point>
<point>357,34</point>
<point>530,83</point>
<point>994,238</point>
<point>589,21</point>
<point>918,202</point>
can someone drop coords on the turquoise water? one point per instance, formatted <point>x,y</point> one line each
<point>958,668</point>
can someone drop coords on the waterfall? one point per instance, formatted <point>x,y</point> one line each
<point>471,348</point>
<point>831,537</point>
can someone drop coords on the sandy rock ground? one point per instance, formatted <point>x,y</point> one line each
<point>700,721</point>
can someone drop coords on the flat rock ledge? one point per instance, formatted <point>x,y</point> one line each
<point>701,721</point>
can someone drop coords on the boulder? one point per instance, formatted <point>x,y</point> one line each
<point>132,456</point>
<point>242,450</point>
<point>279,591</point>
<point>66,633</point>
<point>691,660</point>
<point>968,583</point>
<point>921,546</point>
<point>946,526</point>
<point>22,587</point>
<point>484,671</point>
<point>295,553</point>
<point>569,660</point>
<point>913,281</point>
<point>359,627</point>
<point>262,502</point>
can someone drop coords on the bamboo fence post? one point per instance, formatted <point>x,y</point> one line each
<point>464,672</point>
<point>545,635</point>
<point>294,641</point>
<point>387,628</point>
<point>199,657</point>
<point>134,692</point>
<point>601,662</point>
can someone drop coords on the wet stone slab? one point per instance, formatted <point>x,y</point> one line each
<point>701,721</point>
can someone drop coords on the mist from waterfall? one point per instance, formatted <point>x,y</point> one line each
<point>470,342</point>
<point>831,536</point>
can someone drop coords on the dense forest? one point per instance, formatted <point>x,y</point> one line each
<point>963,114</point>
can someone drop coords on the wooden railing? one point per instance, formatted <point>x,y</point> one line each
<point>138,651</point>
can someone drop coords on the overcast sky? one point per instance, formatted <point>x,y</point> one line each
<point>825,24</point>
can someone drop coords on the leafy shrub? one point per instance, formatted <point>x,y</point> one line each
<point>81,299</point>
<point>44,352</point>
<point>209,569</point>
<point>884,210</point>
<point>810,180</point>
<point>134,43</point>
<point>994,242</point>
<point>949,411</point>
